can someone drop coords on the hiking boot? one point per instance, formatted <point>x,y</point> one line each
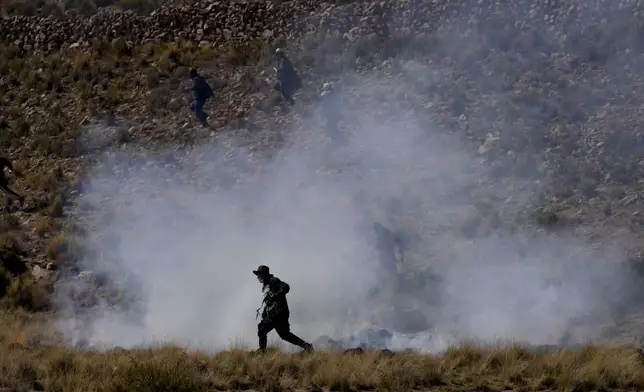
<point>308,347</point>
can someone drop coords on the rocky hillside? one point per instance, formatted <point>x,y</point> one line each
<point>547,92</point>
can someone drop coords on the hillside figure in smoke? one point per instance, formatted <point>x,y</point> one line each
<point>202,92</point>
<point>276,313</point>
<point>4,182</point>
<point>388,244</point>
<point>288,81</point>
<point>331,106</point>
<point>395,301</point>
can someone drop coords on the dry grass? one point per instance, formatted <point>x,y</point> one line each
<point>62,247</point>
<point>24,292</point>
<point>45,226</point>
<point>31,359</point>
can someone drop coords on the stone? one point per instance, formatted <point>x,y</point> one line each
<point>40,273</point>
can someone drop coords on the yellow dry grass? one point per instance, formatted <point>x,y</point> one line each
<point>31,360</point>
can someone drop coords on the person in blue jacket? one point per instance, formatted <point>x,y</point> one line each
<point>203,92</point>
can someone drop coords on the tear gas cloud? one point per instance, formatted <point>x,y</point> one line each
<point>190,249</point>
<point>187,248</point>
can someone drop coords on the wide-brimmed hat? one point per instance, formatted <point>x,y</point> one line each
<point>262,270</point>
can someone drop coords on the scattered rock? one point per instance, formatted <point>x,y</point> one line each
<point>86,275</point>
<point>40,273</point>
<point>490,142</point>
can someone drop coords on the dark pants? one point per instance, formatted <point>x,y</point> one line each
<point>285,92</point>
<point>4,185</point>
<point>197,107</point>
<point>283,329</point>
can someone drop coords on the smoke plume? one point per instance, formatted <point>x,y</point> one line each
<point>180,231</point>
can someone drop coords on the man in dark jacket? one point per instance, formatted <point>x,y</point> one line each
<point>275,314</point>
<point>203,92</point>
<point>288,81</point>
<point>4,183</point>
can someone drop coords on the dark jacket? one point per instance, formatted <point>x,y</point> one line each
<point>287,75</point>
<point>275,304</point>
<point>284,66</point>
<point>201,89</point>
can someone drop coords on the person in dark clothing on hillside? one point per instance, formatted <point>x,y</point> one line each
<point>276,313</point>
<point>4,183</point>
<point>203,92</point>
<point>288,81</point>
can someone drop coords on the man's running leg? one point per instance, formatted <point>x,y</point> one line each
<point>283,329</point>
<point>263,328</point>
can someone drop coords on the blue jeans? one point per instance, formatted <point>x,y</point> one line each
<point>197,107</point>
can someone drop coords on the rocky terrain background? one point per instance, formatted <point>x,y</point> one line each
<point>547,92</point>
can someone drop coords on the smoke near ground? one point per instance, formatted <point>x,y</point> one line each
<point>181,230</point>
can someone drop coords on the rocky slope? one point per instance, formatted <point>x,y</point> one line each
<point>546,92</point>
<point>218,22</point>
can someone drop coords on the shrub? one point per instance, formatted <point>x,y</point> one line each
<point>11,253</point>
<point>157,375</point>
<point>46,226</point>
<point>9,222</point>
<point>548,218</point>
<point>27,293</point>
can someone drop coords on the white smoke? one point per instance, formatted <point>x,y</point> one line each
<point>189,240</point>
<point>184,229</point>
